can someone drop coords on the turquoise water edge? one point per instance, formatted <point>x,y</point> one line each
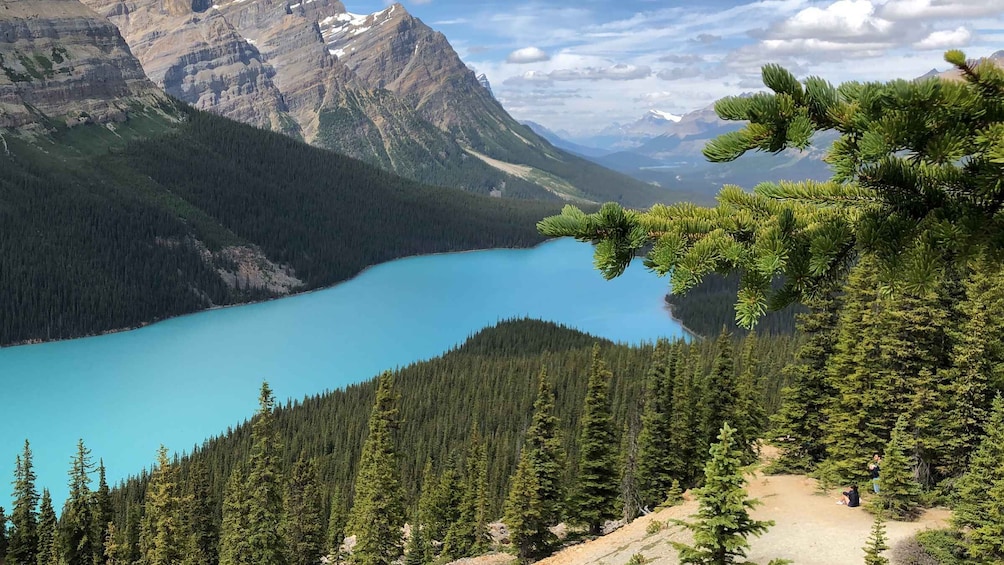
<point>183,380</point>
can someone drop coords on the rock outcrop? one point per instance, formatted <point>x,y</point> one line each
<point>61,63</point>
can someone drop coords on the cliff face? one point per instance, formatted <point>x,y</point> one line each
<point>61,62</point>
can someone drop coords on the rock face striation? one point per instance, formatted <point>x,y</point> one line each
<point>381,87</point>
<point>61,63</point>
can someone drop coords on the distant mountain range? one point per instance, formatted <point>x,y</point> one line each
<point>381,87</point>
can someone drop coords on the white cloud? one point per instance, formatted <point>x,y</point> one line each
<point>930,9</point>
<point>679,73</point>
<point>847,20</point>
<point>527,55</point>
<point>529,77</point>
<point>620,71</point>
<point>958,37</point>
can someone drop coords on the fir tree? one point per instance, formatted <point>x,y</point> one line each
<point>304,523</point>
<point>798,427</point>
<point>378,513</point>
<point>46,531</point>
<point>722,522</point>
<point>720,394</point>
<point>899,494</point>
<point>23,536</point>
<point>102,514</point>
<point>234,549</point>
<point>980,511</point>
<point>654,438</point>
<point>337,518</point>
<point>876,543</point>
<point>76,541</point>
<point>264,487</point>
<point>595,496</point>
<point>3,535</point>
<point>162,539</point>
<point>203,540</point>
<point>535,493</point>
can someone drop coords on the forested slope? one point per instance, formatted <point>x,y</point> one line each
<point>105,227</point>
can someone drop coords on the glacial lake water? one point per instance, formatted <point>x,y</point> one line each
<point>180,381</point>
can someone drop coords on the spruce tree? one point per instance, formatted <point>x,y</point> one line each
<point>76,537</point>
<point>203,540</point>
<point>417,549</point>
<point>535,492</point>
<point>3,535</point>
<point>980,511</point>
<point>797,427</point>
<point>876,543</point>
<point>722,523</point>
<point>264,487</point>
<point>749,414</point>
<point>163,539</point>
<point>654,438</point>
<point>378,513</point>
<point>337,518</point>
<point>46,531</point>
<point>234,549</point>
<point>304,522</point>
<point>468,534</point>
<point>630,500</point>
<point>23,536</point>
<point>899,494</point>
<point>720,394</point>
<point>595,497</point>
<point>102,514</point>
<point>684,425</point>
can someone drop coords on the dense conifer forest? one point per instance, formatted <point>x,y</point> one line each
<point>101,231</point>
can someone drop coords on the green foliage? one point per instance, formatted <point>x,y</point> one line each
<point>75,539</point>
<point>304,523</point>
<point>722,522</point>
<point>674,495</point>
<point>102,516</point>
<point>980,511</point>
<point>877,543</point>
<point>537,491</point>
<point>202,545</point>
<point>595,494</point>
<point>797,427</point>
<point>654,527</point>
<point>899,495</point>
<point>378,513</point>
<point>46,531</point>
<point>654,459</point>
<point>945,547</point>
<point>916,169</point>
<point>264,483</point>
<point>116,224</point>
<point>234,549</point>
<point>23,535</point>
<point>721,396</point>
<point>3,534</point>
<point>637,559</point>
<point>163,537</point>
<point>337,522</point>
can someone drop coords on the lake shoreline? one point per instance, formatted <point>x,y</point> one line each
<point>362,271</point>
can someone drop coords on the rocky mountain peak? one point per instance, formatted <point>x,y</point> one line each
<point>61,61</point>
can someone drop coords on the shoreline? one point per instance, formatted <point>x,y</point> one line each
<point>666,305</point>
<point>362,271</point>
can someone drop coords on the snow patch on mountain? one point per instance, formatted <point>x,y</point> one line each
<point>669,117</point>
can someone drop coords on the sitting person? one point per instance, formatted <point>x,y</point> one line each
<point>851,497</point>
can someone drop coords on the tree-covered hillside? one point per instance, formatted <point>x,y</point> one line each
<point>110,227</point>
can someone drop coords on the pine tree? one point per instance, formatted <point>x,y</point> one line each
<point>202,546</point>
<point>919,193</point>
<point>234,549</point>
<point>102,514</point>
<point>304,523</point>
<point>722,522</point>
<point>337,518</point>
<point>980,511</point>
<point>535,493</point>
<point>654,438</point>
<point>3,535</point>
<point>749,414</point>
<point>899,494</point>
<point>46,531</point>
<point>23,537</point>
<point>595,497</point>
<point>264,483</point>
<point>720,394</point>
<point>876,543</point>
<point>378,513</point>
<point>162,539</point>
<point>797,427</point>
<point>76,541</point>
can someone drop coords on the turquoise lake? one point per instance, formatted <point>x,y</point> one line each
<point>183,380</point>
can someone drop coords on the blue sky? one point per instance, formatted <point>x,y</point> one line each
<point>580,66</point>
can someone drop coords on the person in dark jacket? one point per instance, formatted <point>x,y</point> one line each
<point>873,471</point>
<point>851,497</point>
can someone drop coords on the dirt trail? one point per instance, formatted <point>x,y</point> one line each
<point>811,529</point>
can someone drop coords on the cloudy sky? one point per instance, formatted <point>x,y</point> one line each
<point>577,66</point>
